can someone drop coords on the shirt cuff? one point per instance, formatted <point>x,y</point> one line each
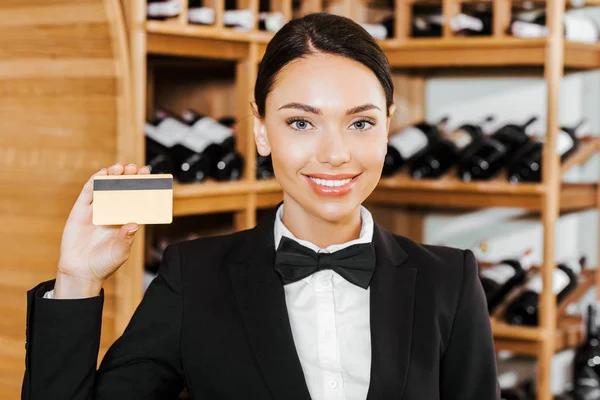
<point>49,294</point>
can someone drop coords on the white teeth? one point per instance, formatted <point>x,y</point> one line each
<point>330,183</point>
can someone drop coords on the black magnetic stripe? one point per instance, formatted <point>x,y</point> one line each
<point>133,184</point>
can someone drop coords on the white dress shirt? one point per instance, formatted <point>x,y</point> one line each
<point>330,323</point>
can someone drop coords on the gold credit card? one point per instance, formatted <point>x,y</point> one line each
<point>143,199</point>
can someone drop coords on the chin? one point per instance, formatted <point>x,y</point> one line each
<point>334,210</point>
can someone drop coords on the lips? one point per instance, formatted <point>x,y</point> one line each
<point>324,190</point>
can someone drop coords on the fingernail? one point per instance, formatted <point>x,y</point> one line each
<point>132,231</point>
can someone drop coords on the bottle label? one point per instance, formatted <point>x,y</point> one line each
<point>409,142</point>
<point>460,138</point>
<point>464,21</point>
<point>564,142</point>
<point>243,19</point>
<point>524,29</point>
<point>580,29</point>
<point>195,141</point>
<point>212,130</point>
<point>170,8</point>
<point>378,31</point>
<point>201,15</point>
<point>500,273</point>
<point>560,280</point>
<point>168,133</point>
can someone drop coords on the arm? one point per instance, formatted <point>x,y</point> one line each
<point>468,370</point>
<point>63,338</point>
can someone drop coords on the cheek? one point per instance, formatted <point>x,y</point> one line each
<point>371,152</point>
<point>290,152</point>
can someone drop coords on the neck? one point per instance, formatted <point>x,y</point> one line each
<point>323,233</point>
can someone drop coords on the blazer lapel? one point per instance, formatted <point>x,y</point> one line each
<point>392,298</point>
<point>261,300</point>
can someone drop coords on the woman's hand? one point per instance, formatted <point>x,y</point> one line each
<point>90,254</point>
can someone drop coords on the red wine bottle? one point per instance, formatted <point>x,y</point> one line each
<point>513,394</point>
<point>494,152</point>
<point>527,165</point>
<point>523,310</point>
<point>500,279</point>
<point>270,21</point>
<point>478,23</point>
<point>586,364</point>
<point>409,143</point>
<point>225,163</point>
<point>446,152</point>
<point>163,9</point>
<point>577,28</point>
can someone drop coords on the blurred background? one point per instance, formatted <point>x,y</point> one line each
<point>493,148</point>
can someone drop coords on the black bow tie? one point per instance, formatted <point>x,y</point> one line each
<point>355,263</point>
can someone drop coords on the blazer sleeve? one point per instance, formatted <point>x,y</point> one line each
<point>468,370</point>
<point>63,340</point>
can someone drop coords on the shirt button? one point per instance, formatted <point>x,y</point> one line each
<point>332,384</point>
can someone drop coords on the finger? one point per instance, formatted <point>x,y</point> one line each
<point>130,169</point>
<point>144,170</point>
<point>116,169</point>
<point>123,242</point>
<point>85,197</point>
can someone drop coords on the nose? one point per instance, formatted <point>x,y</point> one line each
<point>333,148</point>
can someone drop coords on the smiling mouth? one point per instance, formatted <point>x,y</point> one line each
<point>332,181</point>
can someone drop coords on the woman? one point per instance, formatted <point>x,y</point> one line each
<point>317,301</point>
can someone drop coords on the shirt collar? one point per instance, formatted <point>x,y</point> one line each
<point>366,232</point>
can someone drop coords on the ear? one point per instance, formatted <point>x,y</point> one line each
<point>260,133</point>
<point>390,117</point>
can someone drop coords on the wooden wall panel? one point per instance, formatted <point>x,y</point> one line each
<point>63,113</point>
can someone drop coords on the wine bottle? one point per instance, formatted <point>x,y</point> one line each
<point>189,162</point>
<point>217,141</point>
<point>446,152</point>
<point>500,279</point>
<point>242,19</point>
<point>163,9</point>
<point>409,143</point>
<point>527,165</point>
<point>586,364</point>
<point>264,167</point>
<point>162,137</point>
<point>577,28</point>
<point>427,24</point>
<point>270,21</point>
<point>494,152</point>
<point>478,23</point>
<point>523,310</point>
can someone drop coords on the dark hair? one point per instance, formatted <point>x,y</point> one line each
<point>321,33</point>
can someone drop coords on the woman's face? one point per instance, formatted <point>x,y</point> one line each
<point>326,128</point>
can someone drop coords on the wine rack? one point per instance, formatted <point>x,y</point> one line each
<point>551,56</point>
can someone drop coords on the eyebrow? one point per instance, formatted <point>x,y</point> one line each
<point>318,111</point>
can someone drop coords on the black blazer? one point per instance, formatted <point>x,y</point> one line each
<point>215,320</point>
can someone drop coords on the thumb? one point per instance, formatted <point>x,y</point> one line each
<point>123,241</point>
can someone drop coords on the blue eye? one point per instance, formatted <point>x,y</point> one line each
<point>300,124</point>
<point>363,124</point>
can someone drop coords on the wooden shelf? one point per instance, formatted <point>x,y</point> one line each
<point>484,52</point>
<point>450,192</point>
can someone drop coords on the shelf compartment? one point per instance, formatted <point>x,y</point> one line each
<point>488,51</point>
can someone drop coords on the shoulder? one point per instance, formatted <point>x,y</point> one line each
<point>443,269</point>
